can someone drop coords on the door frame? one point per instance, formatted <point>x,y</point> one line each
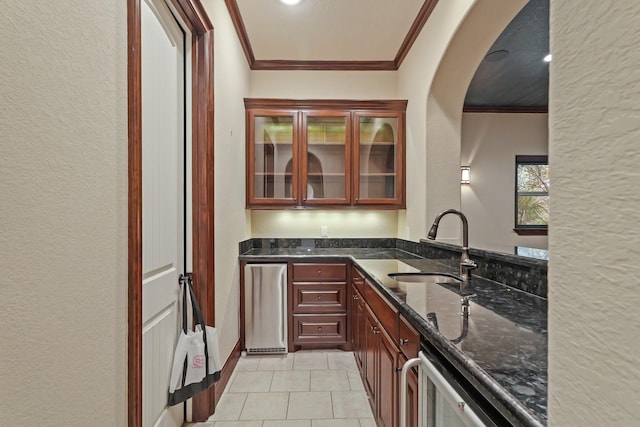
<point>196,19</point>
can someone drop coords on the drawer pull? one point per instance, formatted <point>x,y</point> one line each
<point>404,341</point>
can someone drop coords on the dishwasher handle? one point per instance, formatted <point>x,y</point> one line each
<point>403,388</point>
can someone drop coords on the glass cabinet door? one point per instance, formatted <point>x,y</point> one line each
<point>379,158</point>
<point>272,158</point>
<point>326,157</point>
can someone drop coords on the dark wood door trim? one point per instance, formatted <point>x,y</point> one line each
<point>203,202</point>
<point>134,306</point>
<point>272,64</point>
<point>195,17</point>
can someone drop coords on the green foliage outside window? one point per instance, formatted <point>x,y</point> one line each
<point>532,192</point>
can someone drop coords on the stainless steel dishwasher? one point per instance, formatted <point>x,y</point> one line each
<point>265,310</point>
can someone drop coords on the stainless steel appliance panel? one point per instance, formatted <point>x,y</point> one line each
<point>265,311</point>
<point>440,405</point>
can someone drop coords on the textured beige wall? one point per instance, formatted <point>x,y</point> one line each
<point>435,77</point>
<point>63,215</point>
<point>340,223</point>
<point>231,74</point>
<point>414,81</point>
<point>490,143</point>
<point>594,297</point>
<point>323,84</point>
<point>482,24</point>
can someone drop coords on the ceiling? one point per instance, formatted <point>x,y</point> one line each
<point>519,80</point>
<point>377,35</point>
<point>328,34</point>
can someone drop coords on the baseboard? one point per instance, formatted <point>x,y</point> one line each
<point>227,370</point>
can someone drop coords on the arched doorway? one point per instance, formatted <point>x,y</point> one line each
<point>482,24</point>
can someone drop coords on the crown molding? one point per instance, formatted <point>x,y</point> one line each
<point>283,64</point>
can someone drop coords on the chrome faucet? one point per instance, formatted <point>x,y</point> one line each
<point>466,263</point>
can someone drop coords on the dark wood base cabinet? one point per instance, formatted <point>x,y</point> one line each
<point>318,305</point>
<point>319,329</point>
<point>381,346</point>
<point>325,312</point>
<point>388,381</point>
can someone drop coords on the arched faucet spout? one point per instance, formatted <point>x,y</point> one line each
<point>466,263</point>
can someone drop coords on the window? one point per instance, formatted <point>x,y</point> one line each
<point>532,195</point>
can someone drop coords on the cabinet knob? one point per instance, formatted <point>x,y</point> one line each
<point>319,297</point>
<point>319,271</point>
<point>319,328</point>
<point>355,297</point>
<point>403,341</point>
<point>398,369</point>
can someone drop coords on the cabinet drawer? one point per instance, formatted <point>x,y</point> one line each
<point>315,297</point>
<point>386,314</point>
<point>319,272</point>
<point>408,339</point>
<point>319,329</point>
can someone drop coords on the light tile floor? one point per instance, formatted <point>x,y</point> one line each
<point>312,388</point>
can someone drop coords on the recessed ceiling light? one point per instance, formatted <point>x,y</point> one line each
<point>290,2</point>
<point>547,58</point>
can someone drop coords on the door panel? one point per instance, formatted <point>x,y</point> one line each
<point>370,351</point>
<point>387,393</point>
<point>162,205</point>
<point>157,345</point>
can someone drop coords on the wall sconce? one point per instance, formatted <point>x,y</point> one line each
<point>465,175</point>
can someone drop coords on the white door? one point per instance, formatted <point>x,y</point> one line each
<point>163,202</point>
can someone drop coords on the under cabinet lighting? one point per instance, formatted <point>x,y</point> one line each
<point>290,2</point>
<point>465,174</point>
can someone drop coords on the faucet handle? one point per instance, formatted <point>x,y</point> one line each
<point>469,264</point>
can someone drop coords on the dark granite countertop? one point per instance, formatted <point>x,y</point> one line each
<point>504,351</point>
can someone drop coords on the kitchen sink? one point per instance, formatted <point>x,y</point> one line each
<point>426,277</point>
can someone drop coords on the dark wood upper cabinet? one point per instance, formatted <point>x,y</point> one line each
<point>326,167</point>
<point>325,153</point>
<point>272,157</point>
<point>379,158</point>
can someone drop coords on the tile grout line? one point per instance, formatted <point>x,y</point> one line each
<point>286,414</point>
<point>333,413</point>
